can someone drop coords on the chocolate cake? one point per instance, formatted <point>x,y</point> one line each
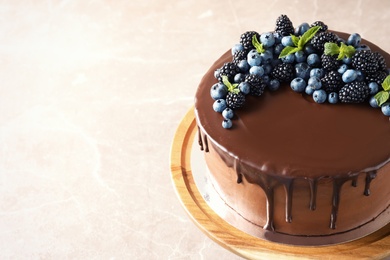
<point>306,161</point>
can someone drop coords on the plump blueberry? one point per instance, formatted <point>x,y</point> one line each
<point>287,41</point>
<point>300,56</point>
<point>266,56</point>
<point>289,58</point>
<point>363,47</point>
<point>333,98</point>
<point>343,68</point>
<point>237,47</point>
<point>266,79</point>
<point>386,109</point>
<point>315,83</point>
<point>267,39</point>
<point>228,113</point>
<point>254,58</point>
<point>218,91</point>
<point>298,84</point>
<point>313,60</point>
<point>256,70</point>
<point>354,40</point>
<point>216,73</point>
<point>347,60</point>
<point>319,96</point>
<point>227,123</point>
<point>374,88</point>
<point>273,84</point>
<point>219,105</point>
<point>278,37</point>
<point>302,70</point>
<point>317,72</point>
<point>302,28</point>
<point>309,49</point>
<point>349,76</point>
<point>373,102</point>
<point>360,76</point>
<point>309,90</point>
<point>244,87</point>
<point>267,68</point>
<point>239,77</point>
<point>243,66</point>
<point>278,49</point>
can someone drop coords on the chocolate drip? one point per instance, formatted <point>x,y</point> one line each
<point>337,183</point>
<point>289,191</point>
<point>205,143</point>
<point>369,177</point>
<point>354,181</point>
<point>200,139</point>
<point>313,193</point>
<point>237,169</point>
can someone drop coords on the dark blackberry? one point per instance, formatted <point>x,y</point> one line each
<point>239,56</point>
<point>284,25</point>
<point>365,61</point>
<point>321,38</point>
<point>329,62</point>
<point>228,69</point>
<point>284,72</point>
<point>256,83</point>
<point>332,82</point>
<point>235,100</point>
<point>381,61</point>
<point>323,28</point>
<point>246,39</point>
<point>378,77</point>
<point>354,92</point>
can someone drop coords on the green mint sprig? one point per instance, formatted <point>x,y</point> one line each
<point>343,51</point>
<point>231,87</point>
<point>259,46</point>
<point>299,42</point>
<point>382,96</point>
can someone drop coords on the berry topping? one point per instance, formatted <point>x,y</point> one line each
<point>321,38</point>
<point>284,26</point>
<point>228,69</point>
<point>332,82</point>
<point>355,92</point>
<point>329,62</point>
<point>365,61</point>
<point>256,83</point>
<point>235,100</point>
<point>246,39</point>
<point>322,25</point>
<point>284,72</point>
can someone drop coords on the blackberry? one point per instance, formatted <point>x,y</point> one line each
<point>329,62</point>
<point>366,61</point>
<point>256,83</point>
<point>332,82</point>
<point>377,77</point>
<point>323,28</point>
<point>246,39</point>
<point>321,38</point>
<point>284,25</point>
<point>235,100</point>
<point>239,56</point>
<point>381,61</point>
<point>284,72</point>
<point>228,69</point>
<point>354,92</point>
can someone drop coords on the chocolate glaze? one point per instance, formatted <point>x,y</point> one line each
<point>282,136</point>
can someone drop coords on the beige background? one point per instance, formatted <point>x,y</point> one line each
<point>91,93</point>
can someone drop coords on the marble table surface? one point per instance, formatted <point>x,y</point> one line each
<point>91,94</point>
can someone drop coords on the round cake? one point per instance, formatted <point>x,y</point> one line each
<point>298,148</point>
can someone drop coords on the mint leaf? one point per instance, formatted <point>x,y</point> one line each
<point>331,48</point>
<point>346,51</point>
<point>259,47</point>
<point>386,83</point>
<point>381,97</point>
<point>288,50</point>
<point>231,87</point>
<point>295,40</point>
<point>307,36</point>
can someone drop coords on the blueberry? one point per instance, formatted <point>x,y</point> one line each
<point>266,79</point>
<point>244,87</point>
<point>278,49</point>
<point>363,47</point>
<point>216,73</point>
<point>373,102</point>
<point>289,58</point>
<point>374,88</point>
<point>228,113</point>
<point>278,37</point>
<point>315,83</point>
<point>349,76</point>
<point>243,66</point>
<point>218,91</point>
<point>298,84</point>
<point>273,84</point>
<point>319,96</point>
<point>302,70</point>
<point>219,105</point>
<point>343,68</point>
<point>237,47</point>
<point>333,98</point>
<point>313,60</point>
<point>309,49</point>
<point>267,39</point>
<point>360,76</point>
<point>266,56</point>
<point>317,72</point>
<point>256,70</point>
<point>239,77</point>
<point>386,109</point>
<point>300,56</point>
<point>354,40</point>
<point>227,123</point>
<point>301,29</point>
<point>254,58</point>
<point>309,90</point>
<point>347,60</point>
<point>287,41</point>
<point>267,68</point>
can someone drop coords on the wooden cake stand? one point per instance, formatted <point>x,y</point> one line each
<point>374,246</point>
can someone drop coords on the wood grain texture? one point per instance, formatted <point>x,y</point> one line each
<point>374,246</point>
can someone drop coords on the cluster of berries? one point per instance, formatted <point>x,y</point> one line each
<point>313,60</point>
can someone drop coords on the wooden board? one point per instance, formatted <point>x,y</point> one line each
<point>374,246</point>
